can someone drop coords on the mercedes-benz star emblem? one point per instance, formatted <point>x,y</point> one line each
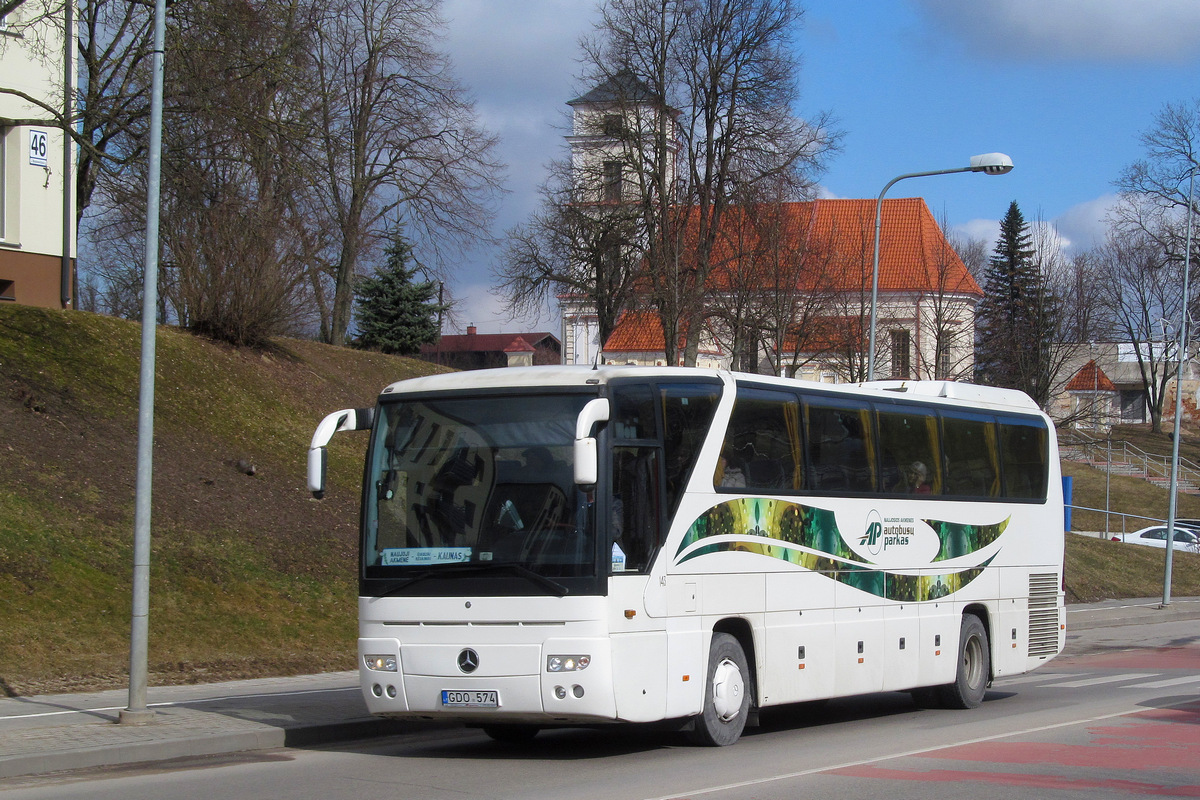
<point>468,660</point>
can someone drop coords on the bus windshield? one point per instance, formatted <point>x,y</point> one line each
<point>466,485</point>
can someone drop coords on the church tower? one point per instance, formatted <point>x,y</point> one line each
<point>623,145</point>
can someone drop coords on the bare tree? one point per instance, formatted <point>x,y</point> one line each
<point>575,246</point>
<point>941,319</point>
<point>396,141</point>
<point>1142,302</point>
<point>1146,245</point>
<point>720,81</point>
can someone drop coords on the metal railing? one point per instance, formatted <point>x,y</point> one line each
<point>1119,457</point>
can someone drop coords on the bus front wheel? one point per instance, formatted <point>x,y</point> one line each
<point>974,666</point>
<point>726,695</point>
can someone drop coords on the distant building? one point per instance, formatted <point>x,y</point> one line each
<point>1093,397</point>
<point>474,350</point>
<point>32,175</point>
<point>789,290</point>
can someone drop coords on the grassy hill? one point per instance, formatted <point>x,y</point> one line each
<point>249,576</point>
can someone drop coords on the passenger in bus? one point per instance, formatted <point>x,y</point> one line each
<point>729,475</point>
<point>917,477</point>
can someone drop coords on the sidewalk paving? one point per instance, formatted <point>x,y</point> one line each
<point>54,733</point>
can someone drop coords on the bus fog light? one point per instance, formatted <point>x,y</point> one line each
<point>391,692</point>
<point>560,692</point>
<point>380,663</point>
<point>377,690</point>
<point>577,690</point>
<point>567,663</point>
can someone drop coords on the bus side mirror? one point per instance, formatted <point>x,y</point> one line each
<point>587,460</point>
<point>348,419</point>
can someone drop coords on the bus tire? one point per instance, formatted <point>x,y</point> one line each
<point>511,734</point>
<point>726,695</point>
<point>974,666</point>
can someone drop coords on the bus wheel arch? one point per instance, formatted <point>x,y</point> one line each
<point>973,673</point>
<point>729,687</point>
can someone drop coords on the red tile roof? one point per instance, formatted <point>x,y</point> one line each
<point>486,342</point>
<point>1089,379</point>
<point>640,332</point>
<point>821,245</point>
<point>831,244</point>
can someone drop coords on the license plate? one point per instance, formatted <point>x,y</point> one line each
<point>456,699</point>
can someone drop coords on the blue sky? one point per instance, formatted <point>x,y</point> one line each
<point>1062,86</point>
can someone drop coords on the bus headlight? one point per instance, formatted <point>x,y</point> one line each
<point>567,663</point>
<point>380,663</point>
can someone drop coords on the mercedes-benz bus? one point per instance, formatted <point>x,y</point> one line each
<point>558,546</point>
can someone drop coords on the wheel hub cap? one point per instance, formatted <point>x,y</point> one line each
<point>728,689</point>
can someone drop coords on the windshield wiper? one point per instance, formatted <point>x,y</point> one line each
<point>459,570</point>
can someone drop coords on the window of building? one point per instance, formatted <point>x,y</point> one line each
<point>612,182</point>
<point>901,363</point>
<point>8,290</point>
<point>614,125</point>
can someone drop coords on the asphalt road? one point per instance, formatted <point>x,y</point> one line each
<point>1118,715</point>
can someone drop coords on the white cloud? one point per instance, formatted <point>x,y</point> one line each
<point>1083,226</point>
<point>1160,31</point>
<point>519,62</point>
<point>986,230</point>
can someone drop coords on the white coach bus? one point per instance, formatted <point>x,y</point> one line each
<point>558,546</point>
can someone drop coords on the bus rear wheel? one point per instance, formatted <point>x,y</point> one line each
<point>974,666</point>
<point>726,695</point>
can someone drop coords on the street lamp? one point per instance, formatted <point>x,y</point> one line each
<point>988,164</point>
<point>1181,355</point>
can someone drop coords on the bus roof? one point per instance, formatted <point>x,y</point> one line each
<point>577,376</point>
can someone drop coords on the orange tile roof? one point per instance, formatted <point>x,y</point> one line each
<point>1089,379</point>
<point>835,241</point>
<point>640,332</point>
<point>819,245</point>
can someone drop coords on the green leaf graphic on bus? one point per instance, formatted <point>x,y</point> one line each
<point>809,537</point>
<point>959,539</point>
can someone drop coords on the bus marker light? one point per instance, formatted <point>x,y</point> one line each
<point>687,678</point>
<point>380,663</point>
<point>630,613</point>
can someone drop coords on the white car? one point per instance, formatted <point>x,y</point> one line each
<point>1156,536</point>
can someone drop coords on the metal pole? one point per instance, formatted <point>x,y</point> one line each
<point>1107,483</point>
<point>137,712</point>
<point>66,285</point>
<point>1181,355</point>
<point>875,259</point>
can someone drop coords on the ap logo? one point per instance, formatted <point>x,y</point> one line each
<point>872,539</point>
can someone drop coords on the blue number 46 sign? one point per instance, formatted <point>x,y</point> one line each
<point>38,145</point>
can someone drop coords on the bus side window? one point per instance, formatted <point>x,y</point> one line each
<point>972,456</point>
<point>840,452</point>
<point>636,508</point>
<point>762,448</point>
<point>1023,448</point>
<point>687,414</point>
<point>908,444</point>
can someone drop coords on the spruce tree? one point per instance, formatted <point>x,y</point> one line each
<point>1014,323</point>
<point>395,314</point>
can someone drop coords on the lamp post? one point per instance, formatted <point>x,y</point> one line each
<point>1181,355</point>
<point>988,163</point>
